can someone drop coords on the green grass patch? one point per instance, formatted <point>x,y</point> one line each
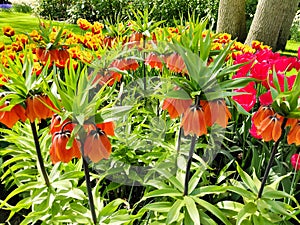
<point>25,23</point>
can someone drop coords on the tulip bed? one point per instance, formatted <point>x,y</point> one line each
<point>138,123</point>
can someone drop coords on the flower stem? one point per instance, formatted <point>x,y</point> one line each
<point>88,187</point>
<point>188,165</point>
<point>144,66</point>
<point>39,153</point>
<point>272,157</point>
<point>180,132</point>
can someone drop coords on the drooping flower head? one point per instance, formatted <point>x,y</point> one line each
<point>59,151</point>
<point>196,118</point>
<point>97,145</point>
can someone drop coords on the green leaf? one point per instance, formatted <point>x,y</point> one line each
<point>258,220</point>
<point>247,210</point>
<point>281,208</point>
<point>159,206</point>
<point>205,219</point>
<point>112,207</point>
<point>192,209</point>
<point>240,109</point>
<point>212,209</point>
<point>208,190</point>
<point>170,192</point>
<point>178,94</point>
<point>242,192</point>
<point>25,187</point>
<point>174,212</point>
<point>247,180</point>
<point>230,205</point>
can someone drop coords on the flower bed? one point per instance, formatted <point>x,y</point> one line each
<point>148,124</point>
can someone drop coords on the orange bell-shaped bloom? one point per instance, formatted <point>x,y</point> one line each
<point>262,113</point>
<point>97,145</point>
<point>195,119</point>
<point>270,128</point>
<point>37,107</point>
<point>59,151</point>
<point>154,61</point>
<point>175,106</point>
<point>220,113</point>
<point>9,118</point>
<point>176,63</point>
<point>107,127</point>
<point>293,136</point>
<point>57,124</point>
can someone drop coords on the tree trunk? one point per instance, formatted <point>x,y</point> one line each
<point>289,11</point>
<point>268,21</point>
<point>232,18</point>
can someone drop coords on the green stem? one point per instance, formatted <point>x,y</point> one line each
<point>295,180</point>
<point>88,186</point>
<point>39,153</point>
<point>188,165</point>
<point>144,66</point>
<point>272,157</point>
<point>179,139</point>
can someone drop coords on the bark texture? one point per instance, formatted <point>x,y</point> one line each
<point>232,18</point>
<point>272,21</point>
<point>289,11</point>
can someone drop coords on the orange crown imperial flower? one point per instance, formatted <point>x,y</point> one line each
<point>176,107</point>
<point>220,113</point>
<point>97,145</point>
<point>293,136</point>
<point>270,127</point>
<point>37,107</point>
<point>196,118</point>
<point>59,151</point>
<point>9,118</point>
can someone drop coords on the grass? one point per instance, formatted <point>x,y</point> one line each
<point>25,23</point>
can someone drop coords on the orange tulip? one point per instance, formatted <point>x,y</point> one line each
<point>175,106</point>
<point>97,28</point>
<point>58,150</point>
<point>84,24</point>
<point>195,119</point>
<point>220,113</point>
<point>293,136</point>
<point>8,31</point>
<point>2,46</point>
<point>270,128</point>
<point>97,145</point>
